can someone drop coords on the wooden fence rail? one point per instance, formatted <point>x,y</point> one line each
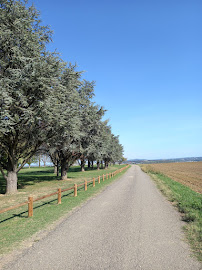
<point>31,201</point>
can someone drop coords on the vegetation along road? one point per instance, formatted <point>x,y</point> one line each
<point>128,226</point>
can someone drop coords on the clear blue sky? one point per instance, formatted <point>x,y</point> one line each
<point>146,59</point>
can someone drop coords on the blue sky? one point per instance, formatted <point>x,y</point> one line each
<point>146,59</point>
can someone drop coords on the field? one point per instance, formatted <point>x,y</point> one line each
<point>186,173</point>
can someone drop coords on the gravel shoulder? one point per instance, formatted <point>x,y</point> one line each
<point>130,225</point>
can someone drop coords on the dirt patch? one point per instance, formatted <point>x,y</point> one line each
<point>186,173</point>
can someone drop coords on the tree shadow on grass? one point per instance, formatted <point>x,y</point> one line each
<point>29,178</point>
<point>38,175</point>
<point>78,169</point>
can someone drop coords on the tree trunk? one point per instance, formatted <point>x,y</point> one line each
<point>12,180</point>
<point>82,164</point>
<point>106,165</point>
<point>101,164</point>
<point>92,164</point>
<point>63,170</point>
<point>58,167</point>
<point>55,169</point>
<point>98,165</point>
<point>39,161</point>
<point>88,163</point>
<point>29,166</point>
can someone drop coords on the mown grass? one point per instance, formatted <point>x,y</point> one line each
<point>15,226</point>
<point>189,204</point>
<point>29,177</point>
<point>38,182</point>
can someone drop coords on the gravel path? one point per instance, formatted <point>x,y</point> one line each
<point>128,226</point>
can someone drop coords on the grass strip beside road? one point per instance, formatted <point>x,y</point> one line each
<point>15,226</point>
<point>188,203</point>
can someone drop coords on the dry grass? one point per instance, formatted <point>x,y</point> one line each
<point>186,173</point>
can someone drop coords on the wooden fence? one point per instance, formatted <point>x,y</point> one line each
<point>31,200</point>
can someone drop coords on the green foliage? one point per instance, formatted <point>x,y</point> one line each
<point>28,82</point>
<point>31,160</point>
<point>44,104</point>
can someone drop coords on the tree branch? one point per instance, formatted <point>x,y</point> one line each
<point>28,157</point>
<point>3,173</point>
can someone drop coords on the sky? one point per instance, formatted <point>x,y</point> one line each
<point>146,59</point>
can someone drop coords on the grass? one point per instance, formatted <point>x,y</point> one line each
<point>188,203</point>
<point>37,182</point>
<point>16,227</point>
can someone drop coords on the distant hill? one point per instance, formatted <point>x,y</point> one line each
<point>150,161</point>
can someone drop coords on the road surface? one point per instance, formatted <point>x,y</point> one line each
<point>128,226</point>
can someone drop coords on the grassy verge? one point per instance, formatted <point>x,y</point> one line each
<point>189,204</point>
<point>16,227</point>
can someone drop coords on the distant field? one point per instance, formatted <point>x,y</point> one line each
<point>186,173</point>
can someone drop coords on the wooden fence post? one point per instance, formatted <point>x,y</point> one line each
<point>59,195</point>
<point>30,207</point>
<point>103,177</point>
<point>98,179</point>
<point>85,185</point>
<point>93,181</point>
<point>75,190</point>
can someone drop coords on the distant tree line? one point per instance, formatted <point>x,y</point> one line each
<point>45,106</point>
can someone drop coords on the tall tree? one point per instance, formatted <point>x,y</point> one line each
<point>97,142</point>
<point>32,160</point>
<point>90,119</point>
<point>65,143</point>
<point>112,150</point>
<point>29,87</point>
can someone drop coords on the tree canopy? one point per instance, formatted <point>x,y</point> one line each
<point>43,101</point>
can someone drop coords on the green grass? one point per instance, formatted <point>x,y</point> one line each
<point>15,226</point>
<point>29,177</point>
<point>41,181</point>
<point>189,204</point>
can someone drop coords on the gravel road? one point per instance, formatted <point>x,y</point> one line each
<point>128,226</point>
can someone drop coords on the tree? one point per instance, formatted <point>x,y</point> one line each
<point>90,121</point>
<point>121,160</point>
<point>96,146</point>
<point>65,142</point>
<point>32,160</point>
<point>54,156</point>
<point>45,158</point>
<point>29,87</point>
<point>42,100</point>
<point>112,150</point>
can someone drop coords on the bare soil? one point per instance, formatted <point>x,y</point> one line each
<point>186,173</point>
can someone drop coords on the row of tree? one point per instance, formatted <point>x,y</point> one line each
<point>45,105</point>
